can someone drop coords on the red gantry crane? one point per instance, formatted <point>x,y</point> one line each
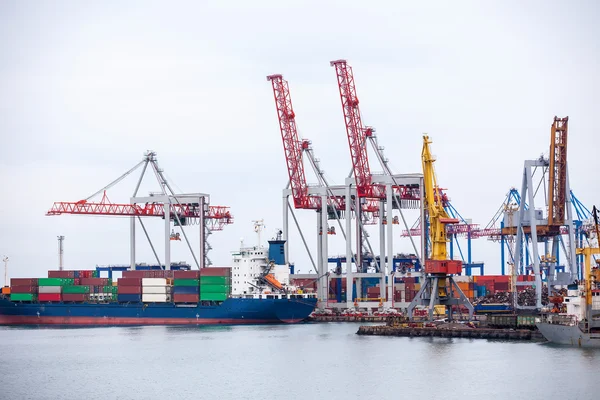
<point>183,209</point>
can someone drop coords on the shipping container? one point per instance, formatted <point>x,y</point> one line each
<point>215,271</point>
<point>49,297</point>
<point>186,274</point>
<point>55,281</point>
<point>186,282</point>
<point>23,297</point>
<point>77,297</point>
<point>214,280</point>
<point>5,290</point>
<point>136,274</point>
<point>23,282</point>
<point>154,282</point>
<point>129,289</point>
<point>156,298</point>
<point>24,289</point>
<point>50,289</point>
<point>156,289</point>
<point>185,290</point>
<point>126,298</point>
<point>76,289</point>
<point>95,281</point>
<point>213,296</point>
<point>61,274</point>
<point>185,298</point>
<point>214,288</point>
<point>129,281</point>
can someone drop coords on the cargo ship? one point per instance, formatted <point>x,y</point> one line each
<point>254,290</point>
<point>579,326</point>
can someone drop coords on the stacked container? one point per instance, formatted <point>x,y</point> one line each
<point>76,293</point>
<point>215,283</point>
<point>129,289</point>
<point>186,287</point>
<point>50,289</point>
<point>155,290</point>
<point>23,289</point>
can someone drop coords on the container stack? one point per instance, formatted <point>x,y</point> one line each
<point>129,289</point>
<point>186,287</point>
<point>156,290</point>
<point>50,289</point>
<point>23,289</point>
<point>215,283</point>
<point>100,289</point>
<point>76,293</point>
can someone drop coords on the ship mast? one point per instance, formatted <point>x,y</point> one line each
<point>5,259</point>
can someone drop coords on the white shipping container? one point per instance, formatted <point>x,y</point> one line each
<point>156,289</point>
<point>50,289</point>
<point>154,282</point>
<point>156,298</point>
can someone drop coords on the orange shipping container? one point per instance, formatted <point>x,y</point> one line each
<point>5,290</point>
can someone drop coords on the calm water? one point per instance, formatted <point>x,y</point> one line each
<point>311,361</point>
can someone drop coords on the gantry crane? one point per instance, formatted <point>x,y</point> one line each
<point>181,209</point>
<point>438,285</point>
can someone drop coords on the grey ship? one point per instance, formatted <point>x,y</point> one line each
<point>566,330</point>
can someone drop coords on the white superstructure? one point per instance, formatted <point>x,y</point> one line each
<point>249,264</point>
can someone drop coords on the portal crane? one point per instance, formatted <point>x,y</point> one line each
<point>438,286</point>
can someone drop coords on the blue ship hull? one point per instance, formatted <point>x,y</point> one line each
<point>231,311</point>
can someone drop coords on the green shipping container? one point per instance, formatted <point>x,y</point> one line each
<point>55,281</point>
<point>76,289</point>
<point>214,289</point>
<point>23,297</point>
<point>95,274</point>
<point>185,282</point>
<point>214,280</point>
<point>213,296</point>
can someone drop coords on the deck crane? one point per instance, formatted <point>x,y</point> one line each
<point>182,210</point>
<point>438,286</point>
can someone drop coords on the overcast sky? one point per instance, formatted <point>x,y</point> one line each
<point>87,87</point>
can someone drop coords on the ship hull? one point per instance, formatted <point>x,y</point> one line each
<point>569,335</point>
<point>232,311</point>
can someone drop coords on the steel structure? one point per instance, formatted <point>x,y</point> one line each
<point>438,286</point>
<point>342,202</point>
<point>181,209</point>
<point>531,224</point>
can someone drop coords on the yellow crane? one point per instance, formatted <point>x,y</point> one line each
<point>438,286</point>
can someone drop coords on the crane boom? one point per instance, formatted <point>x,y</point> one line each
<point>357,134</point>
<point>219,215</point>
<point>292,145</point>
<point>558,171</point>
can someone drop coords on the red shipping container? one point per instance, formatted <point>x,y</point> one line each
<point>23,281</point>
<point>93,281</point>
<point>75,297</point>
<point>76,281</point>
<point>215,271</point>
<point>129,289</point>
<point>129,282</point>
<point>186,274</point>
<point>23,289</point>
<point>49,297</point>
<point>186,298</point>
<point>61,274</point>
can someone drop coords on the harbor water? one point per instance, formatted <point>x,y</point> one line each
<point>305,361</point>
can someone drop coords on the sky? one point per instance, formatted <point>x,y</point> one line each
<point>87,87</point>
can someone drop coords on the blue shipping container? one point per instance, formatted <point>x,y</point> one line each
<point>124,298</point>
<point>185,290</point>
